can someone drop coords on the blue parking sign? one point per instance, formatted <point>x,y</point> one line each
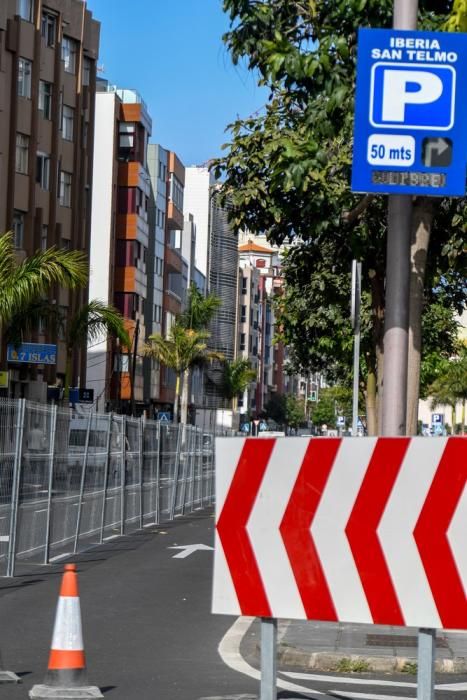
<point>410,112</point>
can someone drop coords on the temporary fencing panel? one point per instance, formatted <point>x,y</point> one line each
<point>69,481</point>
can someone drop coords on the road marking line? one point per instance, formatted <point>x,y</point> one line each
<point>229,651</point>
<point>44,510</point>
<point>4,538</point>
<point>366,696</point>
<point>60,556</point>
<point>344,680</point>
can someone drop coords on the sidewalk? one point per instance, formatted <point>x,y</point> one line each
<point>347,647</point>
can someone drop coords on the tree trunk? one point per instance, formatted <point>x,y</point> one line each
<point>68,369</point>
<point>371,416</point>
<point>376,278</point>
<point>177,397</point>
<point>422,220</point>
<point>184,401</point>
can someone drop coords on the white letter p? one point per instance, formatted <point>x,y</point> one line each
<point>396,96</point>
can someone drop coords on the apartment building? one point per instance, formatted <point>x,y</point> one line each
<point>157,216</point>
<point>198,183</point>
<point>48,53</point>
<point>259,282</point>
<point>121,239</point>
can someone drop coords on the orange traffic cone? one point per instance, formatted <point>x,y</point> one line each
<point>66,675</point>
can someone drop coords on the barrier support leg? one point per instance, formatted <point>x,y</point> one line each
<point>426,664</point>
<point>268,659</point>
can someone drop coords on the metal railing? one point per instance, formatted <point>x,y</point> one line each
<point>69,482</point>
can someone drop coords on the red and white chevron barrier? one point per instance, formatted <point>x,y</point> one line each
<point>369,530</point>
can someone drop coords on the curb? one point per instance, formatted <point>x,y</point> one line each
<point>333,661</point>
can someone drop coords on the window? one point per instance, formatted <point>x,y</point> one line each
<point>244,285</point>
<point>22,153</point>
<point>45,99</point>
<point>87,64</point>
<point>69,51</point>
<point>67,122</point>
<point>18,228</point>
<point>24,78</point>
<point>43,170</point>
<point>65,244</point>
<point>44,236</point>
<point>127,200</point>
<point>24,9</point>
<point>65,189</point>
<point>48,28</point>
<point>157,313</point>
<point>242,341</point>
<point>159,266</point>
<point>126,139</point>
<point>243,315</point>
<point>176,192</point>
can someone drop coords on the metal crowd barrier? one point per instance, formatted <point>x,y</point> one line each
<point>69,482</point>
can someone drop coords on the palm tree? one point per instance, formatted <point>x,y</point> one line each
<point>22,283</point>
<point>443,391</point>
<point>89,324</point>
<point>236,377</point>
<point>450,387</point>
<point>200,309</point>
<point>182,349</point>
<point>199,312</point>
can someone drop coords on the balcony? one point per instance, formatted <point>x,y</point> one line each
<point>174,216</point>
<point>173,260</point>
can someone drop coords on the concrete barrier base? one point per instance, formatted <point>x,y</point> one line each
<point>43,692</point>
<point>9,677</point>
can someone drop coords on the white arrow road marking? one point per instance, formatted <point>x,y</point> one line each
<point>396,532</point>
<point>345,680</point>
<point>456,536</point>
<point>229,651</point>
<point>263,527</point>
<point>188,549</point>
<point>328,529</point>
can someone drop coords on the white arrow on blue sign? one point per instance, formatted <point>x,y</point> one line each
<point>409,135</point>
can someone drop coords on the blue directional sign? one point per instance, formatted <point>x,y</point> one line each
<point>410,113</point>
<point>33,353</point>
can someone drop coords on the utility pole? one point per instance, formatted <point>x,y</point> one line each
<point>133,368</point>
<point>396,330</point>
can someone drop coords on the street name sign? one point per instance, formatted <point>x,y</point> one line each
<point>410,113</point>
<point>362,530</point>
<point>33,353</point>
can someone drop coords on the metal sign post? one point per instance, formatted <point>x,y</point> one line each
<point>355,315</point>
<point>396,338</point>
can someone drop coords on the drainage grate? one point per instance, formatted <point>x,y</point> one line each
<point>399,640</point>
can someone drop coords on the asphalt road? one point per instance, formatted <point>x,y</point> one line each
<point>147,626</point>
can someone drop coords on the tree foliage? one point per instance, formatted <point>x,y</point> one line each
<point>237,375</point>
<point>23,283</point>
<point>286,171</point>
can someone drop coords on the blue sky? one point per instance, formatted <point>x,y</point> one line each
<point>171,51</point>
